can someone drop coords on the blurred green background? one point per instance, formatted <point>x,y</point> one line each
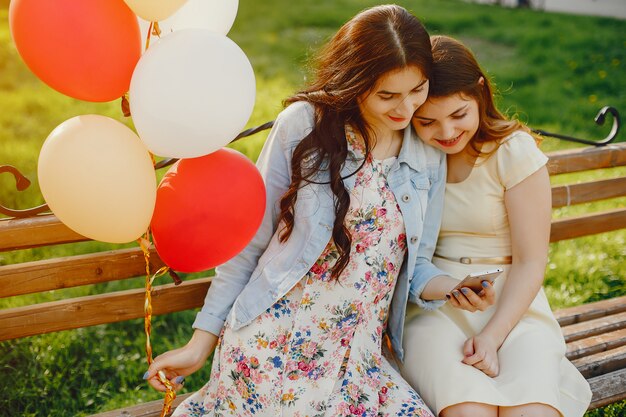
<point>555,71</point>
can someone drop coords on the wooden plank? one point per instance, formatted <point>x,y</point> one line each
<point>594,344</point>
<point>72,271</point>
<point>99,309</point>
<point>583,159</point>
<point>588,224</point>
<point>594,327</point>
<point>149,409</point>
<point>608,389</point>
<point>35,231</point>
<point>584,312</point>
<point>602,363</point>
<point>567,195</point>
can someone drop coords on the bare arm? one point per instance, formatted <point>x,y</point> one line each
<point>528,206</point>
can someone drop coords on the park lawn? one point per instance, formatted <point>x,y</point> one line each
<point>550,72</point>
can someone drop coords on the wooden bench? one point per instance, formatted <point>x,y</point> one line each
<point>595,333</point>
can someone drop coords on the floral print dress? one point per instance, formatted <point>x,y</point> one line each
<point>318,350</point>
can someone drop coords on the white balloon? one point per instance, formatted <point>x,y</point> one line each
<point>215,15</point>
<point>97,178</point>
<point>191,93</point>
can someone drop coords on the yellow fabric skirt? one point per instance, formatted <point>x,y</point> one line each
<point>533,366</point>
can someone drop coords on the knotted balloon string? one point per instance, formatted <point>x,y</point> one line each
<point>170,393</point>
<point>153,29</point>
<point>125,105</point>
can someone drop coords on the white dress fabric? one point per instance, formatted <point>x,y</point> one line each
<point>533,366</point>
<point>317,351</point>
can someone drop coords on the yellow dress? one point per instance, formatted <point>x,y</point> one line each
<point>533,366</point>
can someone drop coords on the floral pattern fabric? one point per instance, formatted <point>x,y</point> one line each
<point>318,350</point>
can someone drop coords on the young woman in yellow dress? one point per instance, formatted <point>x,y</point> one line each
<point>508,360</point>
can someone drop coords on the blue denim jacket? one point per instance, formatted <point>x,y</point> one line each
<point>266,269</point>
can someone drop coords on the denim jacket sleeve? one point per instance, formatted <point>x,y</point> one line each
<point>424,269</point>
<point>274,164</point>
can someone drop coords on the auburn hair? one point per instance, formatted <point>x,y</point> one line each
<point>456,71</point>
<point>372,44</point>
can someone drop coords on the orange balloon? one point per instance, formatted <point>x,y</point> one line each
<point>84,49</point>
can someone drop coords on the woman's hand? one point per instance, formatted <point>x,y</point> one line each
<point>178,363</point>
<point>466,299</point>
<point>481,352</point>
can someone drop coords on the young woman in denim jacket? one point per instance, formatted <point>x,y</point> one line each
<point>354,203</point>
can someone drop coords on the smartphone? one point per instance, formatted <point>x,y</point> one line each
<point>474,280</point>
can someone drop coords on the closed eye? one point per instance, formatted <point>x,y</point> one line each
<point>459,116</point>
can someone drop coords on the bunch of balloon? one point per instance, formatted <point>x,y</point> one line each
<point>191,93</point>
<point>95,174</point>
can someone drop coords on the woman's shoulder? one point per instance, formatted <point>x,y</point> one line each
<point>517,157</point>
<point>301,112</point>
<point>294,123</point>
<point>518,138</point>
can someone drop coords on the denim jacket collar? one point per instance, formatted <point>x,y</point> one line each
<point>410,153</point>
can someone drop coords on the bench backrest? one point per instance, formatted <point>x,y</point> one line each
<point>57,273</point>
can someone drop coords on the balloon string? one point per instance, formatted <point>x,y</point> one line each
<point>153,29</point>
<point>148,35</point>
<point>170,394</point>
<point>125,105</point>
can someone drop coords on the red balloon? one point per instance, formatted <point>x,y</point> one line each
<point>86,49</point>
<point>207,210</point>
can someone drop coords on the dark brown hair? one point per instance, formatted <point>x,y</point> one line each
<point>457,71</point>
<point>373,43</point>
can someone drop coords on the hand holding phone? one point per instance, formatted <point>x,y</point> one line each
<point>474,280</point>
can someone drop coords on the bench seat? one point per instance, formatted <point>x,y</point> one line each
<point>596,343</point>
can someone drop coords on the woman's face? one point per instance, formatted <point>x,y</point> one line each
<point>447,123</point>
<point>396,95</point>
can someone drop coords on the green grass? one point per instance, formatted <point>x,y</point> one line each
<point>554,71</point>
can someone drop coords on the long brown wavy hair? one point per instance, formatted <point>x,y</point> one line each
<point>375,42</point>
<point>457,71</point>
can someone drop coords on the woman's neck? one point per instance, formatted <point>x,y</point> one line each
<point>460,165</point>
<point>387,144</point>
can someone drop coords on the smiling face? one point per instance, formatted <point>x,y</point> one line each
<point>447,123</point>
<point>390,105</point>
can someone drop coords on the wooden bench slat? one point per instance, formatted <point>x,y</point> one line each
<point>602,362</point>
<point>589,224</point>
<point>583,159</point>
<point>595,344</point>
<point>149,409</point>
<point>72,271</point>
<point>99,309</point>
<point>584,312</point>
<point>567,195</point>
<point>594,327</point>
<point>35,231</point>
<point>608,388</point>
